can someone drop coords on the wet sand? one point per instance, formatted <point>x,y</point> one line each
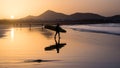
<point>82,50</point>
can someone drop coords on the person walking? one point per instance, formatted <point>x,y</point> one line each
<point>57,31</point>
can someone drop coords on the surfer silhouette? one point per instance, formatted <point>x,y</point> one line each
<point>57,31</point>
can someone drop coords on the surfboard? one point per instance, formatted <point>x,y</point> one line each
<point>52,47</point>
<point>54,28</point>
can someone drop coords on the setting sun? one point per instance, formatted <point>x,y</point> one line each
<point>12,17</point>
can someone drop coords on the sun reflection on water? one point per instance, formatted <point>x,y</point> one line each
<point>12,33</point>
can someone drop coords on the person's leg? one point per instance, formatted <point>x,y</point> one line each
<point>55,35</point>
<point>59,35</point>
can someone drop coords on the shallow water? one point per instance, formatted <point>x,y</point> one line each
<point>25,48</point>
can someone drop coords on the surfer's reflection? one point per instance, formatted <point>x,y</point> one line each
<point>57,46</point>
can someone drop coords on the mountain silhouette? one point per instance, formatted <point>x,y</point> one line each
<point>30,17</point>
<point>82,16</point>
<point>50,15</point>
<point>117,17</point>
<point>53,16</point>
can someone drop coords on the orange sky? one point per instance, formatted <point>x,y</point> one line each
<point>22,8</point>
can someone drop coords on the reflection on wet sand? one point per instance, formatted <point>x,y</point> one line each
<point>2,33</point>
<point>23,46</point>
<point>46,33</point>
<point>57,46</point>
<point>12,33</point>
<point>38,61</point>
